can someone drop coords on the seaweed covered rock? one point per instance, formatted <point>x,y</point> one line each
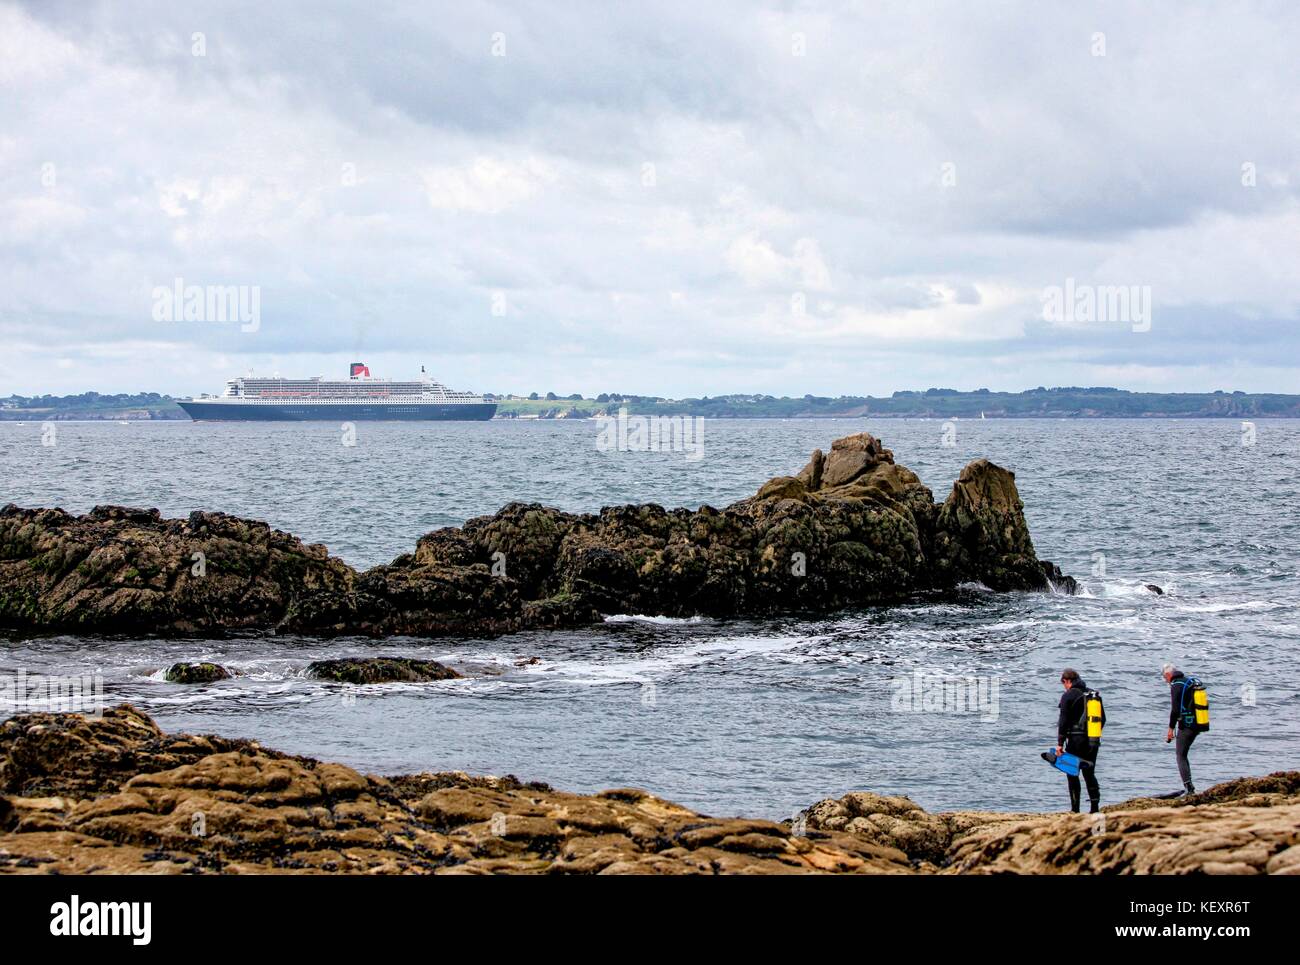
<point>118,570</point>
<point>981,534</point>
<point>853,528</point>
<point>378,670</point>
<point>1058,581</point>
<point>196,673</point>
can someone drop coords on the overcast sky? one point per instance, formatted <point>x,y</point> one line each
<point>672,199</point>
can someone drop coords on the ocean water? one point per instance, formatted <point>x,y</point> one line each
<point>745,717</point>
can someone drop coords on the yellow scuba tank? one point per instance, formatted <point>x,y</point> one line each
<point>1200,705</point>
<point>1092,712</point>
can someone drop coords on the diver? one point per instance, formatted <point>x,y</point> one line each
<point>1078,732</point>
<point>1189,713</point>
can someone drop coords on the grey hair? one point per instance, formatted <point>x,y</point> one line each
<point>1169,668</point>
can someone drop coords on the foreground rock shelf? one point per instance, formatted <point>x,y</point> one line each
<point>852,528</point>
<point>117,795</point>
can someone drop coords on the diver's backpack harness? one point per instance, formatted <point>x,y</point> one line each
<point>1196,714</point>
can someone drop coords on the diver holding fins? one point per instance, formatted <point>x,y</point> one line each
<point>1078,738</point>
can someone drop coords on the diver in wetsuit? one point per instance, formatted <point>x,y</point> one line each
<point>1072,738</point>
<point>1181,716</point>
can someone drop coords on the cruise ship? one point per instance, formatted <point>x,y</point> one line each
<point>359,396</point>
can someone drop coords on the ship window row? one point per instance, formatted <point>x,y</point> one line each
<point>314,389</point>
<point>358,397</point>
<point>359,400</point>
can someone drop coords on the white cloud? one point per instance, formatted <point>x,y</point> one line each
<point>30,54</point>
<point>34,219</point>
<point>948,316</point>
<point>486,185</point>
<point>762,266</point>
<point>176,196</point>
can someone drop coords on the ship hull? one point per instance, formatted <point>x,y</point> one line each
<point>217,411</point>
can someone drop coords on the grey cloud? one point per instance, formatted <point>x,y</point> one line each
<point>601,175</point>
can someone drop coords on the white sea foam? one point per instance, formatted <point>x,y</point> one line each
<point>664,662</point>
<point>645,618</point>
<point>1231,607</point>
<point>1126,589</point>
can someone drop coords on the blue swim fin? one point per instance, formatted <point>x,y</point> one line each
<point>1067,763</point>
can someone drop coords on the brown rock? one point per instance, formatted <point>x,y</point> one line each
<point>981,534</point>
<point>783,487</point>
<point>1242,826</point>
<point>241,809</point>
<point>811,474</point>
<point>851,457</point>
<point>1213,839</point>
<point>133,800</point>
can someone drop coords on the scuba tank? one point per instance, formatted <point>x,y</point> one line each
<point>1198,715</point>
<point>1092,713</point>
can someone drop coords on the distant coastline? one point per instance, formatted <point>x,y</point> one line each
<point>1039,403</point>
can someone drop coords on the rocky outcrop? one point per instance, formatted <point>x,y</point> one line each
<point>1215,839</point>
<point>981,533</point>
<point>1246,826</point>
<point>852,528</point>
<point>898,822</point>
<point>117,795</point>
<point>378,670</point>
<point>71,756</point>
<point>119,570</point>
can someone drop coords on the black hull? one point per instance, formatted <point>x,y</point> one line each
<point>310,412</point>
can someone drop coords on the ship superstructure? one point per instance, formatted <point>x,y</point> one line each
<point>359,396</point>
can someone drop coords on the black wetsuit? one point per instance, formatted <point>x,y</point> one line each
<point>1072,735</point>
<point>1181,715</point>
